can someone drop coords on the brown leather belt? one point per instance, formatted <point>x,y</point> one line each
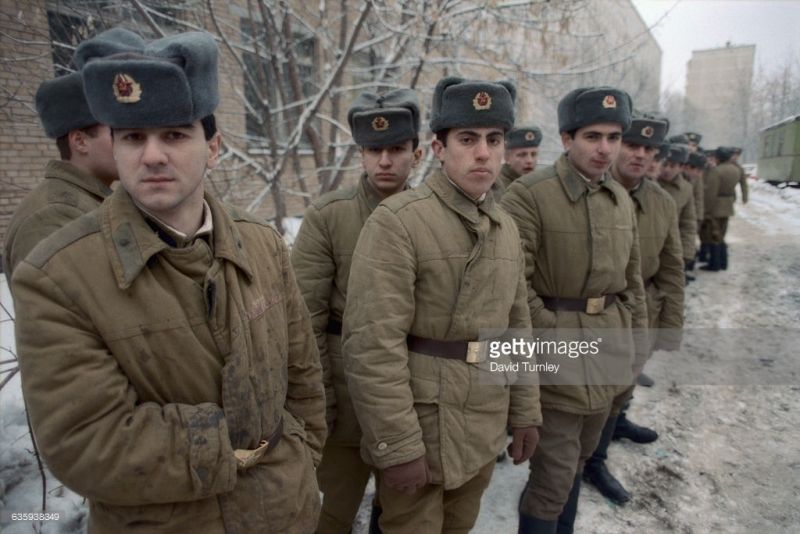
<point>466,351</point>
<point>592,305</point>
<point>246,458</point>
<point>334,327</point>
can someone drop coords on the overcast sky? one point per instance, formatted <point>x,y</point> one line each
<point>685,25</point>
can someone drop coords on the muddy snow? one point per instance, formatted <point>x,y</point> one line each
<point>726,407</point>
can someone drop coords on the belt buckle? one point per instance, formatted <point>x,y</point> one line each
<point>475,352</point>
<point>595,305</point>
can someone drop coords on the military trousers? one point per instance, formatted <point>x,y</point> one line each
<point>714,230</point>
<point>342,476</point>
<point>432,508</point>
<point>566,441</point>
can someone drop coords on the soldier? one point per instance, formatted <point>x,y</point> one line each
<point>80,181</point>
<point>581,270</point>
<point>704,229</point>
<point>386,128</point>
<point>654,169</point>
<point>662,272</point>
<point>693,139</point>
<point>673,182</point>
<point>720,196</point>
<point>173,380</point>
<point>431,270</point>
<point>522,152</point>
<point>693,172</point>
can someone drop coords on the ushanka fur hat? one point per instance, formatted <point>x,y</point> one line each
<point>172,82</point>
<point>592,105</point>
<point>460,103</point>
<point>62,107</point>
<point>381,120</point>
<point>524,137</point>
<point>646,131</point>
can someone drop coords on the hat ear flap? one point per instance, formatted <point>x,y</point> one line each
<point>365,100</point>
<point>438,93</point>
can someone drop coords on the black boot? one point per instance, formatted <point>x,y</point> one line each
<point>533,525</point>
<point>644,380</point>
<point>723,256</point>
<point>702,255</point>
<point>566,521</point>
<point>374,517</point>
<point>632,431</point>
<point>713,259</point>
<point>596,472</point>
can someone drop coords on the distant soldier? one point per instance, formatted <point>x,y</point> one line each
<point>522,153</point>
<point>693,140</point>
<point>579,233</point>
<point>386,128</point>
<point>720,196</point>
<point>433,267</point>
<point>662,272</point>
<point>704,229</point>
<point>693,171</point>
<point>80,181</point>
<point>673,182</point>
<point>736,152</point>
<point>654,169</point>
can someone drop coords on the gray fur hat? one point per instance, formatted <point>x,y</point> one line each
<point>693,137</point>
<point>523,137</point>
<point>460,103</point>
<point>381,120</point>
<point>680,139</point>
<point>62,107</point>
<point>723,153</point>
<point>173,82</point>
<point>678,153</point>
<point>108,43</point>
<point>663,151</point>
<point>646,131</point>
<point>591,105</point>
<point>697,160</point>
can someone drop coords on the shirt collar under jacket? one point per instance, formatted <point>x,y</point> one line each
<point>459,201</point>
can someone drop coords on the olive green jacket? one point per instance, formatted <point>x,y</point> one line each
<point>581,242</point>
<point>662,263</point>
<point>144,367</point>
<point>683,195</point>
<point>321,257</point>
<point>505,179</point>
<point>65,194</point>
<point>432,263</point>
<point>698,191</point>
<point>720,190</point>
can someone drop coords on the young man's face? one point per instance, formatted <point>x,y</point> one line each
<point>522,160</point>
<point>693,172</point>
<point>388,167</point>
<point>593,148</point>
<point>634,160</point>
<point>163,168</point>
<point>670,170</point>
<point>92,149</point>
<point>654,169</point>
<point>472,157</point>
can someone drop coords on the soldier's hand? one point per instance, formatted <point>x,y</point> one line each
<point>523,444</point>
<point>408,477</point>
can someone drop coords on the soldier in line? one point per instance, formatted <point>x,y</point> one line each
<point>78,182</point>
<point>705,229</point>
<point>582,272</point>
<point>522,152</point>
<point>387,130</point>
<point>433,267</point>
<point>720,196</point>
<point>662,273</point>
<point>693,171</point>
<point>173,380</point>
<point>673,182</point>
<point>693,140</point>
<point>654,169</point>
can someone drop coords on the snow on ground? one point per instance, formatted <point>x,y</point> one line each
<point>727,408</point>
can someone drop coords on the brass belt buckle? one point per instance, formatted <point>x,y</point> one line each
<point>475,352</point>
<point>595,305</point>
<point>247,458</point>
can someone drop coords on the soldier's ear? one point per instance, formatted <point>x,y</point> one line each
<point>78,142</point>
<point>418,155</point>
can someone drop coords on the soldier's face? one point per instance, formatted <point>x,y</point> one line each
<point>693,172</point>
<point>388,167</point>
<point>654,170</point>
<point>522,160</point>
<point>670,170</point>
<point>593,148</point>
<point>472,157</point>
<point>634,160</point>
<point>163,169</point>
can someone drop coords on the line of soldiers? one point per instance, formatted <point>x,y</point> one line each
<point>185,373</point>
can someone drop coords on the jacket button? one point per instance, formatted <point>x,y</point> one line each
<point>382,446</point>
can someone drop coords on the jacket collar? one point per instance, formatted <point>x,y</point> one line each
<point>64,170</point>
<point>459,202</point>
<point>575,185</point>
<point>638,193</point>
<point>131,242</point>
<point>368,193</point>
